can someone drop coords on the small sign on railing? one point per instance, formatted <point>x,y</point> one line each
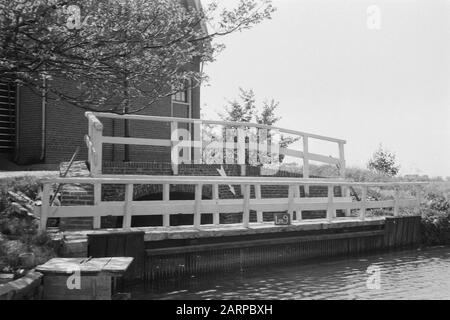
<point>282,219</point>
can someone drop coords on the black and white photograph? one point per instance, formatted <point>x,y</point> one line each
<point>224,154</point>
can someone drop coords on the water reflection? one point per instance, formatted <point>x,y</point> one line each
<point>412,274</point>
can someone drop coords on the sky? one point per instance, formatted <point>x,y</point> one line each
<point>338,70</point>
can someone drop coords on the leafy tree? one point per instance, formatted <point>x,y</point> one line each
<point>242,110</point>
<point>245,110</point>
<point>383,162</point>
<point>267,115</point>
<point>114,51</point>
<point>112,48</point>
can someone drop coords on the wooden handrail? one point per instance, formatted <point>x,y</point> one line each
<point>147,179</point>
<point>230,147</point>
<point>199,206</point>
<point>216,122</point>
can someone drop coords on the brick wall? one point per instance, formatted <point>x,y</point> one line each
<point>66,126</point>
<point>29,127</point>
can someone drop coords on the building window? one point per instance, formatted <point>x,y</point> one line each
<point>181,96</point>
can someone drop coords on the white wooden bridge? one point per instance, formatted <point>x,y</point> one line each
<point>234,150</point>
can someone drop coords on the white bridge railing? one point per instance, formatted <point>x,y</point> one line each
<point>166,207</point>
<point>253,140</point>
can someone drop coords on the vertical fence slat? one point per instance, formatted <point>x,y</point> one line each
<point>344,189</point>
<point>330,207</point>
<point>97,201</point>
<point>341,160</point>
<point>166,198</point>
<point>259,214</point>
<point>97,143</point>
<point>198,141</point>
<point>291,194</point>
<point>246,208</point>
<point>174,154</point>
<point>306,162</point>
<point>298,208</point>
<point>89,138</point>
<point>128,206</point>
<point>215,196</point>
<point>347,194</point>
<point>198,204</point>
<point>363,202</point>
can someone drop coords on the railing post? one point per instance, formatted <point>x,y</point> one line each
<point>396,202</point>
<point>198,142</point>
<point>97,201</point>
<point>291,195</point>
<point>347,194</point>
<point>341,160</point>
<point>174,149</point>
<point>128,206</point>
<point>96,134</point>
<point>330,208</point>
<point>246,209</point>
<point>198,205</point>
<point>306,162</point>
<point>215,196</point>
<point>45,207</point>
<point>298,210</point>
<point>259,214</point>
<point>363,202</point>
<point>344,189</point>
<point>90,144</point>
<point>166,198</point>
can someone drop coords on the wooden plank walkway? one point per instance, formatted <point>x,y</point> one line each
<point>207,231</point>
<point>114,266</point>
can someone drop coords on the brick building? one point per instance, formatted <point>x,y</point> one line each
<point>37,130</point>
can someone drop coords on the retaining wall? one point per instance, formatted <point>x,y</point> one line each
<point>189,252</point>
<point>29,287</point>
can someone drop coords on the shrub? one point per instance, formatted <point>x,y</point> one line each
<point>384,162</point>
<point>19,232</point>
<point>435,227</point>
<point>29,185</point>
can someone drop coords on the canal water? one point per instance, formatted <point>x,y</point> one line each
<point>410,274</point>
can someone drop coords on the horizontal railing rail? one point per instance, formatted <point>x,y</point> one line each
<point>216,122</point>
<point>167,207</point>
